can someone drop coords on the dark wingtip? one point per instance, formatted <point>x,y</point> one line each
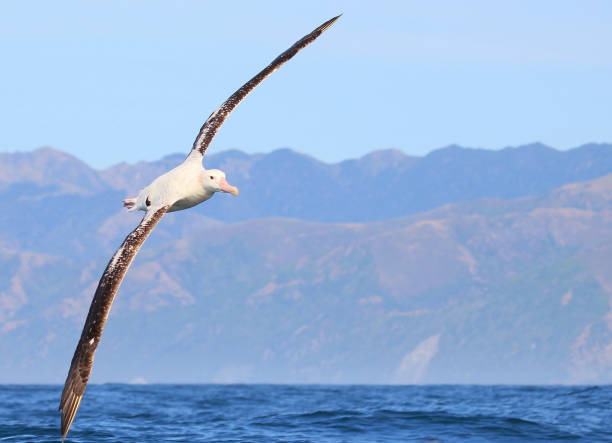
<point>68,412</point>
<point>328,23</point>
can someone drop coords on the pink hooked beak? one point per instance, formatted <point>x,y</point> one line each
<point>226,187</point>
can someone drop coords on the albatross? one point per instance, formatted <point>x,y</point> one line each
<point>185,186</point>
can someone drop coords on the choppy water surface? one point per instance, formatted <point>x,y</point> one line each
<point>269,413</point>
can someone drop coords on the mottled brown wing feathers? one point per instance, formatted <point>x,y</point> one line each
<point>82,361</point>
<point>216,119</point>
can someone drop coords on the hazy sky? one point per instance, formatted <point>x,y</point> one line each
<point>128,81</point>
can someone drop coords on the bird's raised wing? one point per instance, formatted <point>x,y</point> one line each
<point>82,361</point>
<point>216,119</point>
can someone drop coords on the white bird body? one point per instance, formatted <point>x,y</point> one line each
<point>181,187</point>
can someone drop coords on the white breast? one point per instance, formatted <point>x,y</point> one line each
<point>181,187</point>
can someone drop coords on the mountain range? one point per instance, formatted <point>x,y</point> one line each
<point>462,266</point>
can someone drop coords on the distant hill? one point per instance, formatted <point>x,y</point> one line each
<point>49,168</point>
<point>491,290</point>
<point>381,185</point>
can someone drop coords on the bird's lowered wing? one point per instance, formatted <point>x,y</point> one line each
<point>82,361</point>
<point>216,119</point>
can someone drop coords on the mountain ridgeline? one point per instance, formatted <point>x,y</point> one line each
<point>381,185</point>
<point>463,266</point>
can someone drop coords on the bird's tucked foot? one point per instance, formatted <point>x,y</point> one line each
<point>129,203</point>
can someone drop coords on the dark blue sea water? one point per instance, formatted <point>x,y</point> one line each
<point>285,413</point>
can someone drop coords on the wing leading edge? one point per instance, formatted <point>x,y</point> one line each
<point>82,361</point>
<point>216,119</point>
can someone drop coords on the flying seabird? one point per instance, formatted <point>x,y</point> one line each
<point>183,187</point>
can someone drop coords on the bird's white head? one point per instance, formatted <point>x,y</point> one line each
<point>214,180</point>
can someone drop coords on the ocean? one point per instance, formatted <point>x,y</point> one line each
<point>307,413</point>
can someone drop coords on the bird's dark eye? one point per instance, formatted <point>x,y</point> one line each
<point>148,202</point>
<point>212,177</point>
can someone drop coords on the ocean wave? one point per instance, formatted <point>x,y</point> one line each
<point>216,413</point>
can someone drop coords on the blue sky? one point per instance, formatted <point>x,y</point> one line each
<point>128,81</point>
